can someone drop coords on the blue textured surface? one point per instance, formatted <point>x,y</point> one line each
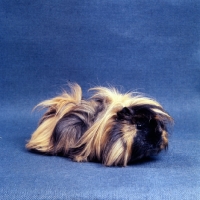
<point>149,46</point>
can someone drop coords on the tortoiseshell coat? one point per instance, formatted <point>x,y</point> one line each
<point>110,127</point>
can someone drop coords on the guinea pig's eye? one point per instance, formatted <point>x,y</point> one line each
<point>141,123</point>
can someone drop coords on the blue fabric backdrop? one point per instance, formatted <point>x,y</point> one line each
<point>148,46</point>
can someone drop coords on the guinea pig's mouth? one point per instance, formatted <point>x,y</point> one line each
<point>136,155</point>
<point>153,152</point>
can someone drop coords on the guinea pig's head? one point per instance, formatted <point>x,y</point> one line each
<point>149,129</point>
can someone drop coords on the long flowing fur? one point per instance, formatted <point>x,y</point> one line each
<point>101,128</point>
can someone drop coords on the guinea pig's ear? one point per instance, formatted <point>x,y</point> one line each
<point>125,114</point>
